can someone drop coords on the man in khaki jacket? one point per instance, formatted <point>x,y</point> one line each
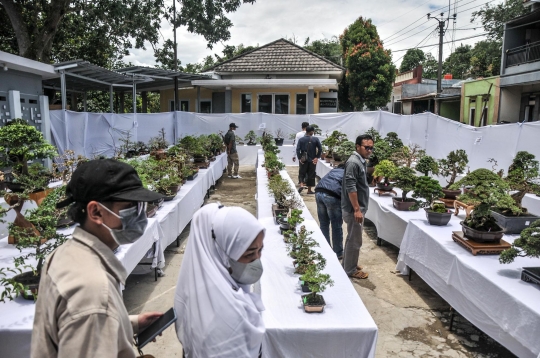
<point>79,310</point>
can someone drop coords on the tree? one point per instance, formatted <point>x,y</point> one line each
<point>165,56</point>
<point>231,51</point>
<point>370,72</point>
<point>459,62</point>
<point>494,17</point>
<point>430,67</point>
<point>412,59</point>
<point>330,49</point>
<point>486,59</point>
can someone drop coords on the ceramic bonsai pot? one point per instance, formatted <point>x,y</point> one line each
<point>249,143</point>
<point>279,141</point>
<point>451,194</point>
<point>513,224</point>
<point>402,205</point>
<point>438,219</point>
<point>193,176</point>
<point>313,307</point>
<point>531,274</point>
<point>482,236</point>
<point>151,210</point>
<point>31,282</point>
<point>384,187</point>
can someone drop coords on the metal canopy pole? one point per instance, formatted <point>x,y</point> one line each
<point>111,98</point>
<point>63,88</point>
<point>134,95</point>
<point>84,102</point>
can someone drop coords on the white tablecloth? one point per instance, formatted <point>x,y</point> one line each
<point>345,329</point>
<point>247,154</point>
<point>489,294</point>
<point>322,168</point>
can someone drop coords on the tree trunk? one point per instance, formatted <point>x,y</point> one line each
<point>21,31</point>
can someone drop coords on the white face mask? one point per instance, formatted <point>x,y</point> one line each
<point>246,274</point>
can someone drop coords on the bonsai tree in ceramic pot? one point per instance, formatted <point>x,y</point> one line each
<point>251,137</point>
<point>453,165</point>
<point>332,141</point>
<point>522,174</point>
<point>385,169</point>
<point>169,185</point>
<point>527,245</point>
<point>317,282</point>
<point>158,144</point>
<point>405,179</point>
<point>427,165</point>
<point>408,156</point>
<point>280,137</point>
<point>344,150</point>
<point>430,190</point>
<point>216,143</point>
<point>486,190</point>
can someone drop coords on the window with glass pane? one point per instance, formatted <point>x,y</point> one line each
<point>265,103</point>
<point>206,107</point>
<point>301,103</point>
<point>184,106</point>
<point>246,102</point>
<point>281,104</point>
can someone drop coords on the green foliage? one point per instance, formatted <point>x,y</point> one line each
<point>439,207</point>
<point>393,140</point>
<point>426,165</point>
<point>251,137</point>
<point>407,156</point>
<point>370,72</point>
<point>430,67</point>
<point>295,217</point>
<point>486,59</point>
<point>459,62</point>
<point>316,281</point>
<point>158,142</point>
<point>37,179</point>
<point>493,17</point>
<point>428,189</point>
<point>330,49</point>
<point>215,141</point>
<point>283,192</point>
<point>316,129</point>
<point>412,59</point>
<point>374,134</point>
<point>455,163</point>
<point>528,244</point>
<point>345,149</point>
<point>522,176</point>
<point>272,163</point>
<point>405,179</point>
<point>386,169</point>
<point>333,140</point>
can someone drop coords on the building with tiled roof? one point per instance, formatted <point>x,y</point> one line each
<point>280,77</point>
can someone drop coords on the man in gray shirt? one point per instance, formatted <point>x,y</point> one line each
<point>232,154</point>
<point>354,204</point>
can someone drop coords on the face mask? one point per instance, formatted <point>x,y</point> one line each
<point>134,223</point>
<point>246,274</point>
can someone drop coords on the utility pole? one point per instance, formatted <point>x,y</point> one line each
<point>442,22</point>
<point>176,104</point>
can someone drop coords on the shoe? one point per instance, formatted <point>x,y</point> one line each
<point>237,177</point>
<point>359,274</point>
<point>340,257</point>
<point>229,176</point>
<point>300,189</point>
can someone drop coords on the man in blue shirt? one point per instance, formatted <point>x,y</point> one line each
<point>328,198</point>
<point>308,151</point>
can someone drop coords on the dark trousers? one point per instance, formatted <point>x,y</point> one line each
<point>308,170</point>
<point>301,179</point>
<point>329,211</point>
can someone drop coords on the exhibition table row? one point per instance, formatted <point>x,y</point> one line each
<point>344,329</point>
<point>17,316</point>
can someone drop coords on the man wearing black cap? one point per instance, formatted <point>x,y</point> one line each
<point>232,154</point>
<point>79,310</point>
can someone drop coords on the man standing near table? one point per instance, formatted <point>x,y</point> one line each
<point>310,149</point>
<point>79,310</point>
<point>354,204</point>
<point>232,154</point>
<point>299,135</point>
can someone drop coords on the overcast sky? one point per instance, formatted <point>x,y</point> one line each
<point>269,20</point>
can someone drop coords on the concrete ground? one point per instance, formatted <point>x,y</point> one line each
<point>412,318</point>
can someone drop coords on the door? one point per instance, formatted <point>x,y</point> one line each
<point>218,102</point>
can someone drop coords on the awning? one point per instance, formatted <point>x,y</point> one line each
<point>317,84</point>
<point>158,78</point>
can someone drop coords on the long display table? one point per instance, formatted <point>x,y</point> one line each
<point>344,329</point>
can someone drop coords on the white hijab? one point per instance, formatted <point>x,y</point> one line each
<point>217,317</point>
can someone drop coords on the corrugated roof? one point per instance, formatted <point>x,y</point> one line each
<point>278,56</point>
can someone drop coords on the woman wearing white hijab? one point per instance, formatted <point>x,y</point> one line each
<point>218,316</point>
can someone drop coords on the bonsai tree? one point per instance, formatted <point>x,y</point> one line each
<point>345,149</point>
<point>521,177</point>
<point>20,143</point>
<point>216,142</point>
<point>334,140</point>
<point>393,140</point>
<point>295,217</point>
<point>454,164</point>
<point>316,129</point>
<point>374,134</point>
<point>158,142</point>
<point>385,169</point>
<point>427,165</point>
<point>486,190</point>
<point>408,155</point>
<point>168,185</point>
<point>428,189</point>
<point>37,179</point>
<point>405,179</point>
<point>279,133</point>
<point>267,139</point>
<point>190,144</point>
<point>528,244</point>
<point>65,165</point>
<point>37,242</point>
<point>251,137</point>
<point>317,283</point>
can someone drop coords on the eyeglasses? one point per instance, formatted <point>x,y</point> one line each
<point>368,148</point>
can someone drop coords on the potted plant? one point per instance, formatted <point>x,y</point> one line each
<point>387,170</point>
<point>408,155</point>
<point>37,243</point>
<point>280,137</point>
<point>430,190</point>
<point>453,165</point>
<point>65,165</point>
<point>169,186</point>
<point>522,174</point>
<point>405,179</point>
<point>272,164</point>
<point>487,190</point>
<point>251,138</point>
<point>427,165</point>
<point>344,150</point>
<point>527,245</point>
<point>216,143</point>
<point>393,141</point>
<point>158,145</point>
<point>317,282</point>
<point>294,218</point>
<point>332,141</point>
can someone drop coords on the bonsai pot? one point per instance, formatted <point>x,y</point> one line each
<point>151,210</point>
<point>531,274</point>
<point>482,236</point>
<point>192,176</point>
<point>313,305</point>
<point>384,187</point>
<point>31,283</point>
<point>513,224</point>
<point>438,219</point>
<point>279,214</point>
<point>337,158</point>
<point>403,205</point>
<point>279,141</point>
<point>283,224</point>
<point>249,143</point>
<point>451,194</point>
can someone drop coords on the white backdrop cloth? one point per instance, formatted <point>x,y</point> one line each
<point>100,133</point>
<point>489,294</point>
<point>17,316</point>
<point>344,329</point>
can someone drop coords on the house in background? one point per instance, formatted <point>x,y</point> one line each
<point>410,77</point>
<point>480,101</point>
<point>280,77</point>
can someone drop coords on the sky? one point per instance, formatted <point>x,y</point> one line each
<point>401,25</point>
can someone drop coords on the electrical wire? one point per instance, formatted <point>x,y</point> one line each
<point>395,41</point>
<point>389,37</point>
<point>425,38</point>
<point>464,38</point>
<point>408,12</point>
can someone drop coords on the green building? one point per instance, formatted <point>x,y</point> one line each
<point>480,101</point>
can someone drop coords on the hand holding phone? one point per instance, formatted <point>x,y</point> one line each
<point>149,333</point>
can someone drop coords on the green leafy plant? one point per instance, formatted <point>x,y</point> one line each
<point>393,141</point>
<point>334,140</point>
<point>216,142</point>
<point>345,149</point>
<point>158,142</point>
<point>427,165</point>
<point>386,169</point>
<point>317,283</point>
<point>528,244</point>
<point>295,217</point>
<point>522,174</point>
<point>37,179</point>
<point>405,179</point>
<point>251,137</point>
<point>428,189</point>
<point>408,155</point>
<point>316,129</point>
<point>374,134</point>
<point>272,163</point>
<point>454,164</point>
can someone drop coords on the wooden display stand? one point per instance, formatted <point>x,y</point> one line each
<point>459,205</point>
<point>384,192</point>
<point>448,203</point>
<point>479,248</point>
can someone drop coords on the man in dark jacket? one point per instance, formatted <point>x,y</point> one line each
<point>310,149</point>
<point>328,198</point>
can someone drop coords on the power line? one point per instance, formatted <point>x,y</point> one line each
<point>404,13</point>
<point>388,38</point>
<point>393,42</point>
<point>425,38</point>
<point>465,38</point>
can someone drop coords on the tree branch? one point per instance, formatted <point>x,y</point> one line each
<point>14,13</point>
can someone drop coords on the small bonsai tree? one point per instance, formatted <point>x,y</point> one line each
<point>345,149</point>
<point>428,189</point>
<point>216,142</point>
<point>374,134</point>
<point>393,140</point>
<point>190,144</point>
<point>65,165</point>
<point>20,143</point>
<point>427,165</point>
<point>317,283</point>
<point>408,155</point>
<point>334,140</point>
<point>385,169</point>
<point>316,129</point>
<point>159,142</point>
<point>251,137</point>
<point>528,244</point>
<point>405,178</point>
<point>486,190</point>
<point>295,218</point>
<point>279,133</point>
<point>454,164</point>
<point>522,174</point>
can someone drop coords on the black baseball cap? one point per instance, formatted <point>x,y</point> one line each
<point>106,180</point>
<point>233,125</point>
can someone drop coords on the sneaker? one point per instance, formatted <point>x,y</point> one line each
<point>237,177</point>
<point>229,176</point>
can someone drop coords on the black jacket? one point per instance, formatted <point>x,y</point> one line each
<point>314,149</point>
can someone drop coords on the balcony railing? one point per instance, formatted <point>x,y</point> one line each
<point>523,54</point>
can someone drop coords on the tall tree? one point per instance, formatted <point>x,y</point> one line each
<point>493,17</point>
<point>430,67</point>
<point>486,59</point>
<point>459,62</point>
<point>330,49</point>
<point>370,72</point>
<point>412,59</point>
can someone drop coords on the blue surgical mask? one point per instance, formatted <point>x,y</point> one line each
<point>134,222</point>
